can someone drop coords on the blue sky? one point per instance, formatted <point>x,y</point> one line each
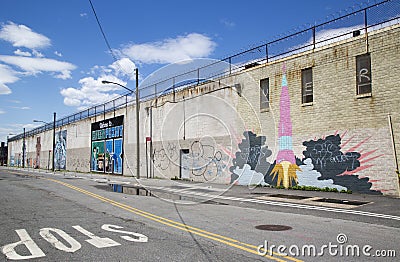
<point>53,55</point>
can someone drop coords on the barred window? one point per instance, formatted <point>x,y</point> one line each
<point>306,86</point>
<point>364,79</point>
<point>264,93</point>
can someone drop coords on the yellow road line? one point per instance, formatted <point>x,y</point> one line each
<point>200,232</point>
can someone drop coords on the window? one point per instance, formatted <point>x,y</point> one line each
<point>264,94</point>
<point>306,86</point>
<point>364,74</point>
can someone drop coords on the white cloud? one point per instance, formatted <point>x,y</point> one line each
<point>22,53</point>
<point>7,76</point>
<point>83,14</point>
<point>171,50</point>
<point>58,53</point>
<point>124,67</point>
<point>37,53</point>
<point>23,36</point>
<point>227,23</point>
<point>36,65</point>
<point>21,107</point>
<point>91,92</point>
<point>2,111</point>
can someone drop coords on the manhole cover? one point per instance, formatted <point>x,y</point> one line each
<point>273,227</point>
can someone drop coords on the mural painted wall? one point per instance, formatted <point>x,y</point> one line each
<point>60,150</point>
<point>38,149</point>
<point>324,162</point>
<point>204,161</point>
<point>107,145</point>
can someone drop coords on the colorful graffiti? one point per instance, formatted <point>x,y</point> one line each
<point>60,150</point>
<point>107,146</point>
<point>205,160</point>
<point>38,149</point>
<point>201,160</point>
<point>250,163</point>
<point>324,162</point>
<point>325,156</point>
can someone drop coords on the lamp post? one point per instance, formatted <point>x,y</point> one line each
<point>137,117</point>
<point>54,135</point>
<point>23,150</point>
<point>8,149</point>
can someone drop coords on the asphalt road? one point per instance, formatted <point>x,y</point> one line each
<point>55,218</point>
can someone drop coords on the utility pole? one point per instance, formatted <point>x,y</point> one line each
<point>54,140</point>
<point>137,117</point>
<point>137,126</point>
<point>23,150</point>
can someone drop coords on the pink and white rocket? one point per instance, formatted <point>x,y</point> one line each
<point>285,152</point>
<point>285,167</point>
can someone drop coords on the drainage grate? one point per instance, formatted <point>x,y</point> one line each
<point>340,201</point>
<point>273,227</point>
<point>289,196</point>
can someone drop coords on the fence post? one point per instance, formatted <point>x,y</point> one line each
<point>313,36</point>
<point>173,87</point>
<point>366,30</point>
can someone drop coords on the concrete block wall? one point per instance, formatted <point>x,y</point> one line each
<point>340,140</point>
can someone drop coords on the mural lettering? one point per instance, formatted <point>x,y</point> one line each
<point>107,143</point>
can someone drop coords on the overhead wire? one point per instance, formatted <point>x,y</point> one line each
<point>112,52</point>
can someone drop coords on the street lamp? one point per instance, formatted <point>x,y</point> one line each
<point>54,135</point>
<point>39,121</point>
<point>8,149</point>
<point>115,83</point>
<point>23,150</point>
<point>137,117</point>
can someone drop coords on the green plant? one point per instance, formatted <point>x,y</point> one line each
<point>313,188</point>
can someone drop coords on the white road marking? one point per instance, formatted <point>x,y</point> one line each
<point>286,204</point>
<point>49,237</point>
<point>99,242</point>
<point>9,250</point>
<point>138,237</point>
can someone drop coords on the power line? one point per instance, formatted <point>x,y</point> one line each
<point>106,40</point>
<point>102,32</point>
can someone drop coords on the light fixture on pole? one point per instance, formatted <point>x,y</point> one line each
<point>54,135</point>
<point>137,117</point>
<point>39,121</point>
<point>8,149</point>
<point>118,84</point>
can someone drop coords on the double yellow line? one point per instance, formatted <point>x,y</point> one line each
<point>197,231</point>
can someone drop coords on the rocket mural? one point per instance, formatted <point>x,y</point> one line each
<point>285,167</point>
